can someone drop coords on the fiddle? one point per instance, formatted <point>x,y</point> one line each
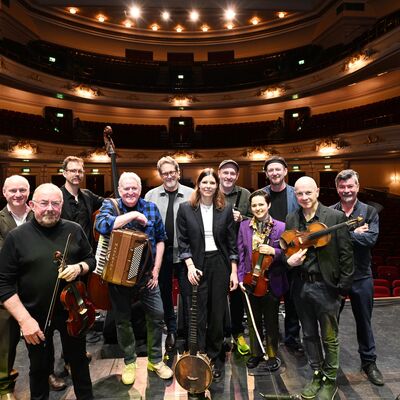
<point>316,235</point>
<point>256,281</point>
<point>81,312</point>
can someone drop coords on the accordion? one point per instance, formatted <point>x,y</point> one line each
<point>124,258</point>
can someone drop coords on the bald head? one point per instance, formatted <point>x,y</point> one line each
<point>307,193</point>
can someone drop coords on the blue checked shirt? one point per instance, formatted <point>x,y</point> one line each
<point>154,229</point>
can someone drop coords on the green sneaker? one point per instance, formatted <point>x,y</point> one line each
<point>242,347</point>
<point>328,389</point>
<point>313,387</point>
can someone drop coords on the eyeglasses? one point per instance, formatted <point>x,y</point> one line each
<point>45,204</point>
<point>167,174</point>
<point>76,171</point>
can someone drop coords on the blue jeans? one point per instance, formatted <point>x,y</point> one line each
<point>121,299</point>
<point>318,309</point>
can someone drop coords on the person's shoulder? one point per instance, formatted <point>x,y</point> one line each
<point>4,211</point>
<point>185,189</point>
<point>279,224</point>
<point>244,190</point>
<point>70,224</point>
<point>154,191</point>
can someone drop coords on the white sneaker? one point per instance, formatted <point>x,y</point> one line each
<point>161,369</point>
<point>129,374</point>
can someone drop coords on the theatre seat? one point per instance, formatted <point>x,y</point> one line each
<point>381,291</point>
<point>389,272</point>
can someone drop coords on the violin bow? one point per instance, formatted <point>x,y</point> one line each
<point>56,286</point>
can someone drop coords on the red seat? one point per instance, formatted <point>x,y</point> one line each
<point>393,260</point>
<point>381,291</point>
<point>395,283</point>
<point>389,272</point>
<point>396,291</point>
<point>382,282</point>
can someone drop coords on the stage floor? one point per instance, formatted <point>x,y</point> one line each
<point>236,383</point>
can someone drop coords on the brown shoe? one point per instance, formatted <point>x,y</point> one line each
<point>8,396</point>
<point>56,383</point>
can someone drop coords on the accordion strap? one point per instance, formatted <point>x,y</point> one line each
<point>114,202</point>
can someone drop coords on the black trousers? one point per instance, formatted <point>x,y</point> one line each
<point>9,338</point>
<point>211,304</point>
<point>42,359</point>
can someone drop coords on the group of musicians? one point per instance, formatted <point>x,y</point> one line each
<point>217,237</point>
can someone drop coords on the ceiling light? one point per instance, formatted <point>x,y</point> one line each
<point>230,25</point>
<point>165,15</point>
<point>230,14</point>
<point>155,27</point>
<point>128,24</point>
<point>205,28</point>
<point>179,28</point>
<point>101,18</point>
<point>135,12</point>
<point>255,20</point>
<point>281,14</point>
<point>194,15</point>
<point>73,10</point>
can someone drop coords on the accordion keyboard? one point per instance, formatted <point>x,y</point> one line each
<point>101,254</point>
<point>135,262</point>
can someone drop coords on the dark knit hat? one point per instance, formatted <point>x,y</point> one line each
<point>275,159</point>
<point>223,163</point>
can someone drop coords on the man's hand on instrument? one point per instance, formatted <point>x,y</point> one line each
<point>31,331</point>
<point>297,258</point>
<point>139,217</point>
<point>361,229</point>
<point>266,249</point>
<point>233,281</point>
<point>70,273</point>
<point>194,275</point>
<point>237,217</point>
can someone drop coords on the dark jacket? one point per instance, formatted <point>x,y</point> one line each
<point>7,223</point>
<point>335,260</point>
<point>292,204</point>
<point>190,233</point>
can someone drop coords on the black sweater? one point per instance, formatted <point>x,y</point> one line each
<point>27,266</point>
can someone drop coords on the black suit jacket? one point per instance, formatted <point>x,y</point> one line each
<point>7,223</point>
<point>190,234</point>
<point>335,260</point>
<point>92,203</point>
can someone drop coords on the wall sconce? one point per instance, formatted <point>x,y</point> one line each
<point>99,155</point>
<point>184,156</point>
<point>395,178</point>
<point>330,146</point>
<point>271,93</point>
<point>23,148</point>
<point>259,153</point>
<point>181,101</point>
<point>358,61</point>
<point>81,90</point>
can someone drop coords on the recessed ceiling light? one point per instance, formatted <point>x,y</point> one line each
<point>101,18</point>
<point>73,10</point>
<point>230,14</point>
<point>135,12</point>
<point>194,15</point>
<point>165,15</point>
<point>255,20</point>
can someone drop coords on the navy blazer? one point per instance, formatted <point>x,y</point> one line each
<point>335,260</point>
<point>191,239</point>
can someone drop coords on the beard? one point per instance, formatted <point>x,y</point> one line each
<point>49,219</point>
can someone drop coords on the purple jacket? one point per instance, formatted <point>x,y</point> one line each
<point>278,283</point>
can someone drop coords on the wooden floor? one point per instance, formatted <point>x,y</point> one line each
<point>236,382</point>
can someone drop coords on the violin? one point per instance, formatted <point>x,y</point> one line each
<point>256,281</point>
<point>316,235</point>
<point>81,312</point>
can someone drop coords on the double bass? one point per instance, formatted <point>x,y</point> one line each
<point>97,287</point>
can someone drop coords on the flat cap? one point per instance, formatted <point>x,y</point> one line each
<point>274,159</point>
<point>223,163</point>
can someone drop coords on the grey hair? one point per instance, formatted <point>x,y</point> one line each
<point>346,174</point>
<point>132,175</point>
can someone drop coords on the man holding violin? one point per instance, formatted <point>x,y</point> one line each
<point>28,277</point>
<point>324,275</point>
<point>361,294</point>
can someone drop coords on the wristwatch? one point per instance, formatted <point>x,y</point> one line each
<point>81,269</point>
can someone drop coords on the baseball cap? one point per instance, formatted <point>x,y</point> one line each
<point>223,163</point>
